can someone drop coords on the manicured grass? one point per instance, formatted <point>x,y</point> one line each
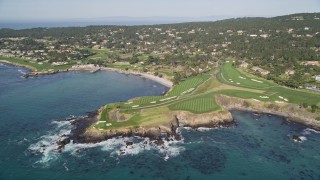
<point>196,95</point>
<point>273,91</point>
<point>143,101</point>
<point>101,54</point>
<point>34,65</point>
<point>245,95</point>
<point>200,104</point>
<point>147,117</point>
<point>187,86</point>
<point>105,119</point>
<point>275,94</point>
<point>297,96</point>
<point>232,76</point>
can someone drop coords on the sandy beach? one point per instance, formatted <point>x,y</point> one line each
<point>162,81</point>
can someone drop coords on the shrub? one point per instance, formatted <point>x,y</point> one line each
<point>145,70</point>
<point>314,108</point>
<point>304,105</point>
<point>273,106</point>
<point>246,104</point>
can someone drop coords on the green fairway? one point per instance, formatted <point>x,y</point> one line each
<point>189,85</point>
<point>143,101</point>
<point>184,88</point>
<point>244,94</point>
<point>230,75</point>
<point>296,96</point>
<point>200,104</point>
<point>101,54</point>
<point>197,95</point>
<point>44,66</point>
<point>273,92</point>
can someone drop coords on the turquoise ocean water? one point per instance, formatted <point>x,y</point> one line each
<point>33,113</point>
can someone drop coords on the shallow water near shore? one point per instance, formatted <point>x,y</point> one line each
<point>33,113</point>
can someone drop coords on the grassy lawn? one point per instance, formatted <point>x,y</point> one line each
<point>297,96</point>
<point>199,104</point>
<point>188,85</point>
<point>197,95</point>
<point>184,88</point>
<point>101,54</point>
<point>34,65</point>
<point>273,92</point>
<point>143,101</point>
<point>146,117</point>
<point>246,95</point>
<point>235,77</point>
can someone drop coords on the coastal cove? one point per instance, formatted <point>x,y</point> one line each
<point>166,128</point>
<point>33,72</point>
<point>206,153</point>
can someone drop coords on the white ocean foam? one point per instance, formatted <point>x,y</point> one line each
<point>309,131</point>
<point>22,72</point>
<point>118,147</point>
<point>187,128</point>
<point>47,145</point>
<point>204,129</point>
<point>61,124</point>
<point>65,166</point>
<point>303,138</point>
<point>170,149</point>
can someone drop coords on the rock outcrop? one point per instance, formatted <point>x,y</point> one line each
<point>292,112</point>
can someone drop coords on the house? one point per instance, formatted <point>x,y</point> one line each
<point>262,71</point>
<point>244,65</point>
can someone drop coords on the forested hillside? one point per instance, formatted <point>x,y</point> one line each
<point>285,49</point>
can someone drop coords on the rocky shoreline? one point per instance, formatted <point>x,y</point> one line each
<point>84,133</point>
<point>291,112</point>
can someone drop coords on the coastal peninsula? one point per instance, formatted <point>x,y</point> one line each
<point>207,80</point>
<point>204,100</point>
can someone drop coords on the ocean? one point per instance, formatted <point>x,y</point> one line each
<point>33,114</point>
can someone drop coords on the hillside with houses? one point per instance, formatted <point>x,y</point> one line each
<point>284,49</point>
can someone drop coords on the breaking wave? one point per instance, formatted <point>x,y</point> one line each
<point>309,131</point>
<point>47,144</point>
<point>47,148</point>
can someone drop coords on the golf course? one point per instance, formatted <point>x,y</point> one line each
<point>197,95</point>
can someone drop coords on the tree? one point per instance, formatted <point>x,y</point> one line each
<point>176,78</point>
